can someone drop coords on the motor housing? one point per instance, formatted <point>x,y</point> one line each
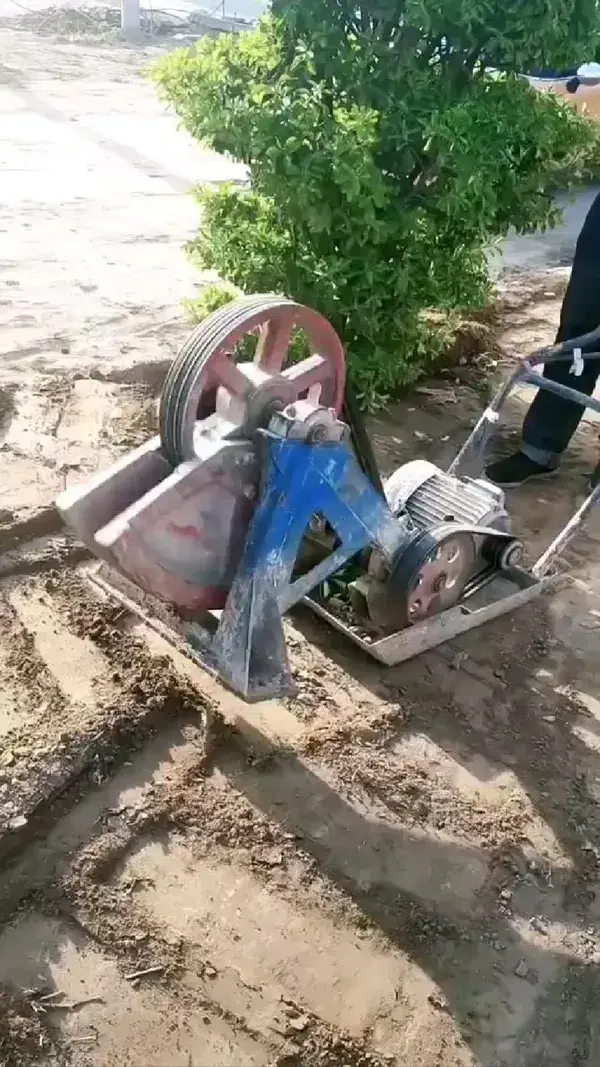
<point>443,555</point>
<point>430,497</point>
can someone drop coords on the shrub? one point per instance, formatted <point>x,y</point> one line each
<point>211,299</point>
<point>384,158</point>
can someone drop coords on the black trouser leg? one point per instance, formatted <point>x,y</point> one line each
<point>551,420</point>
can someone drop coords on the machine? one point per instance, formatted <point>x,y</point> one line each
<point>260,491</point>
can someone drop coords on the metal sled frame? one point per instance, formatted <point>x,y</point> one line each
<point>504,593</point>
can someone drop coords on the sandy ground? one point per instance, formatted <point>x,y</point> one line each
<point>395,866</point>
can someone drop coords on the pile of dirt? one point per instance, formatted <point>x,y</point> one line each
<point>103,24</point>
<point>56,740</point>
<point>417,794</point>
<point>145,681</point>
<point>70,22</point>
<point>323,1046</point>
<point>216,817</point>
<point>23,1038</point>
<point>80,23</point>
<point>142,423</point>
<point>477,342</point>
<point>7,405</point>
<point>474,345</point>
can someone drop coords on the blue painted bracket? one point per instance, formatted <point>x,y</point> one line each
<point>300,480</point>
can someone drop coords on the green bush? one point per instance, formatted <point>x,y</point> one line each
<point>211,299</point>
<point>383,158</point>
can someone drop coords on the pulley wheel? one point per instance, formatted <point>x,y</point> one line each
<point>205,380</point>
<point>427,578</point>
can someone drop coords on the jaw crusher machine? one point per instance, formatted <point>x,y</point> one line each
<point>260,490</point>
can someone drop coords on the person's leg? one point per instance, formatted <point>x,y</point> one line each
<point>548,427</point>
<point>551,421</point>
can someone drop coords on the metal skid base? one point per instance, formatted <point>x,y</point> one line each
<point>507,592</point>
<point>194,640</point>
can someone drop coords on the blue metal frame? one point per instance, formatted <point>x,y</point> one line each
<point>301,480</point>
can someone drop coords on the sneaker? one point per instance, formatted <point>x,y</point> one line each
<point>594,479</point>
<point>514,470</point>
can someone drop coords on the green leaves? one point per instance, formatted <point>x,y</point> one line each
<point>383,159</point>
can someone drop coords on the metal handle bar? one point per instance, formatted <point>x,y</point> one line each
<point>472,453</point>
<point>565,348</point>
<point>470,458</point>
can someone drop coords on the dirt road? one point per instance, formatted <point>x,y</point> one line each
<point>394,867</point>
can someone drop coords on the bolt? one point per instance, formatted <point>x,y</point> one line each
<point>318,433</point>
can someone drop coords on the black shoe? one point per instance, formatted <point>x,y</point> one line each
<point>514,470</point>
<point>594,479</point>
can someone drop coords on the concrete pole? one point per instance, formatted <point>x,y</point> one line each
<point>130,17</point>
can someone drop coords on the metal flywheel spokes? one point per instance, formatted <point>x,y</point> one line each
<point>206,383</point>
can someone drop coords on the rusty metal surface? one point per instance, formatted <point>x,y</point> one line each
<point>174,515</point>
<point>207,391</point>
